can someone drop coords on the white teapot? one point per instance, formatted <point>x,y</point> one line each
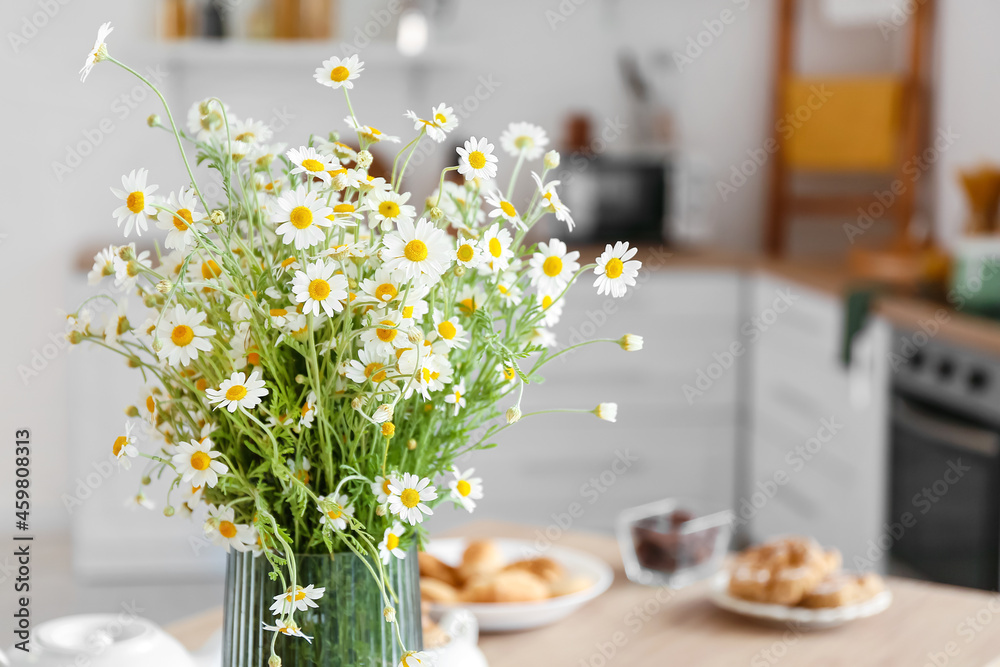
<point>108,640</point>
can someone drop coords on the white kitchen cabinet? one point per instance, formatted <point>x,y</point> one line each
<point>818,430</point>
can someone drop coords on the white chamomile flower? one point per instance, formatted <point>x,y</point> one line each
<point>183,335</point>
<point>196,464</point>
<point>124,448</point>
<point>344,214</point>
<point>616,270</point>
<point>222,529</point>
<point>429,126</point>
<point>466,489</point>
<point>300,214</point>
<point>98,53</point>
<point>552,308</point>
<point>550,201</point>
<point>380,488</point>
<point>389,546</point>
<point>104,265</point>
<point>456,396</point>
<point>383,287</point>
<point>307,413</point>
<point>389,208</point>
<point>415,659</point>
<point>238,392</point>
<point>368,366</point>
<point>207,120</point>
<point>503,209</point>
<point>445,117</point>
<point>552,267</point>
<point>450,330</point>
<point>371,135</point>
<point>384,336</point>
<point>334,511</point>
<point>496,244</point>
<point>181,221</point>
<point>420,250</point>
<point>476,159</point>
<point>127,270</point>
<point>309,161</point>
<point>300,599</point>
<point>138,202</point>
<point>468,253</point>
<point>251,132</point>
<point>508,374</point>
<point>510,293</point>
<point>607,411</point>
<point>320,288</point>
<point>407,498</point>
<point>287,628</point>
<point>339,72</point>
<point>524,139</point>
<point>542,337</point>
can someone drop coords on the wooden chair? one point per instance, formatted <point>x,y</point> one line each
<point>870,125</point>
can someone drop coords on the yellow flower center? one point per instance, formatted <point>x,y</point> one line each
<point>200,460</point>
<point>416,250</point>
<point>477,160</point>
<point>183,219</point>
<point>391,542</point>
<point>466,252</point>
<point>552,266</point>
<point>236,393</point>
<point>508,209</point>
<point>546,301</point>
<point>300,594</point>
<point>447,330</point>
<point>386,335</point>
<point>319,289</point>
<point>278,312</point>
<point>246,137</point>
<point>408,312</point>
<point>227,529</point>
<point>182,335</point>
<point>343,208</point>
<point>386,290</point>
<point>150,404</point>
<point>410,498</point>
<point>339,74</point>
<point>385,487</point>
<point>301,217</point>
<point>495,248</point>
<point>253,358</point>
<point>210,269</point>
<point>310,164</point>
<point>335,513</point>
<point>613,269</point>
<point>463,488</point>
<point>373,371</point>
<point>288,262</point>
<point>440,118</point>
<point>509,373</point>
<point>524,141</point>
<point>388,209</point>
<point>468,305</point>
<point>136,201</point>
<point>120,443</point>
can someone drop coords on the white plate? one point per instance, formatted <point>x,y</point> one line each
<point>504,617</point>
<point>799,616</point>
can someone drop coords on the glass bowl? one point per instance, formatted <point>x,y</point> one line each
<point>666,544</point>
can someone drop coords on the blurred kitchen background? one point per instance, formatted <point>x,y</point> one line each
<point>813,184</point>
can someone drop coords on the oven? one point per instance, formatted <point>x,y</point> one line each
<point>945,468</point>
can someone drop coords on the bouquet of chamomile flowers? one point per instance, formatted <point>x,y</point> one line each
<point>320,347</point>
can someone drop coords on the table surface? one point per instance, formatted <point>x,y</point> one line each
<point>632,625</point>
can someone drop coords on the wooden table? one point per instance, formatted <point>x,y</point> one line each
<point>634,626</point>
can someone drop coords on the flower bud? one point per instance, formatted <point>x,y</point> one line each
<point>411,444</point>
<point>437,215</point>
<point>552,160</point>
<point>274,661</point>
<point>356,403</point>
<point>459,270</point>
<point>146,481</point>
<point>157,345</point>
<point>388,429</point>
<point>300,378</point>
<point>164,286</point>
<point>380,510</point>
<point>631,342</point>
<point>606,411</point>
<point>131,411</point>
<point>364,160</point>
<point>513,415</point>
<point>390,614</point>
<point>383,414</point>
<point>134,362</point>
<point>126,253</point>
<point>415,335</point>
<point>74,337</point>
<point>218,217</point>
<point>153,120</point>
<point>168,511</point>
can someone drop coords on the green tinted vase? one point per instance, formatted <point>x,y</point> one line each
<point>347,627</point>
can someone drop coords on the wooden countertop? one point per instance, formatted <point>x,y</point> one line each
<point>647,627</point>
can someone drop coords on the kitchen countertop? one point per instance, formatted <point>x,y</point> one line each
<point>927,624</point>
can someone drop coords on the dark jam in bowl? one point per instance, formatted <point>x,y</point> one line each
<point>661,544</point>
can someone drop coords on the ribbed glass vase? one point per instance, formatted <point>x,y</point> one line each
<point>348,626</point>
